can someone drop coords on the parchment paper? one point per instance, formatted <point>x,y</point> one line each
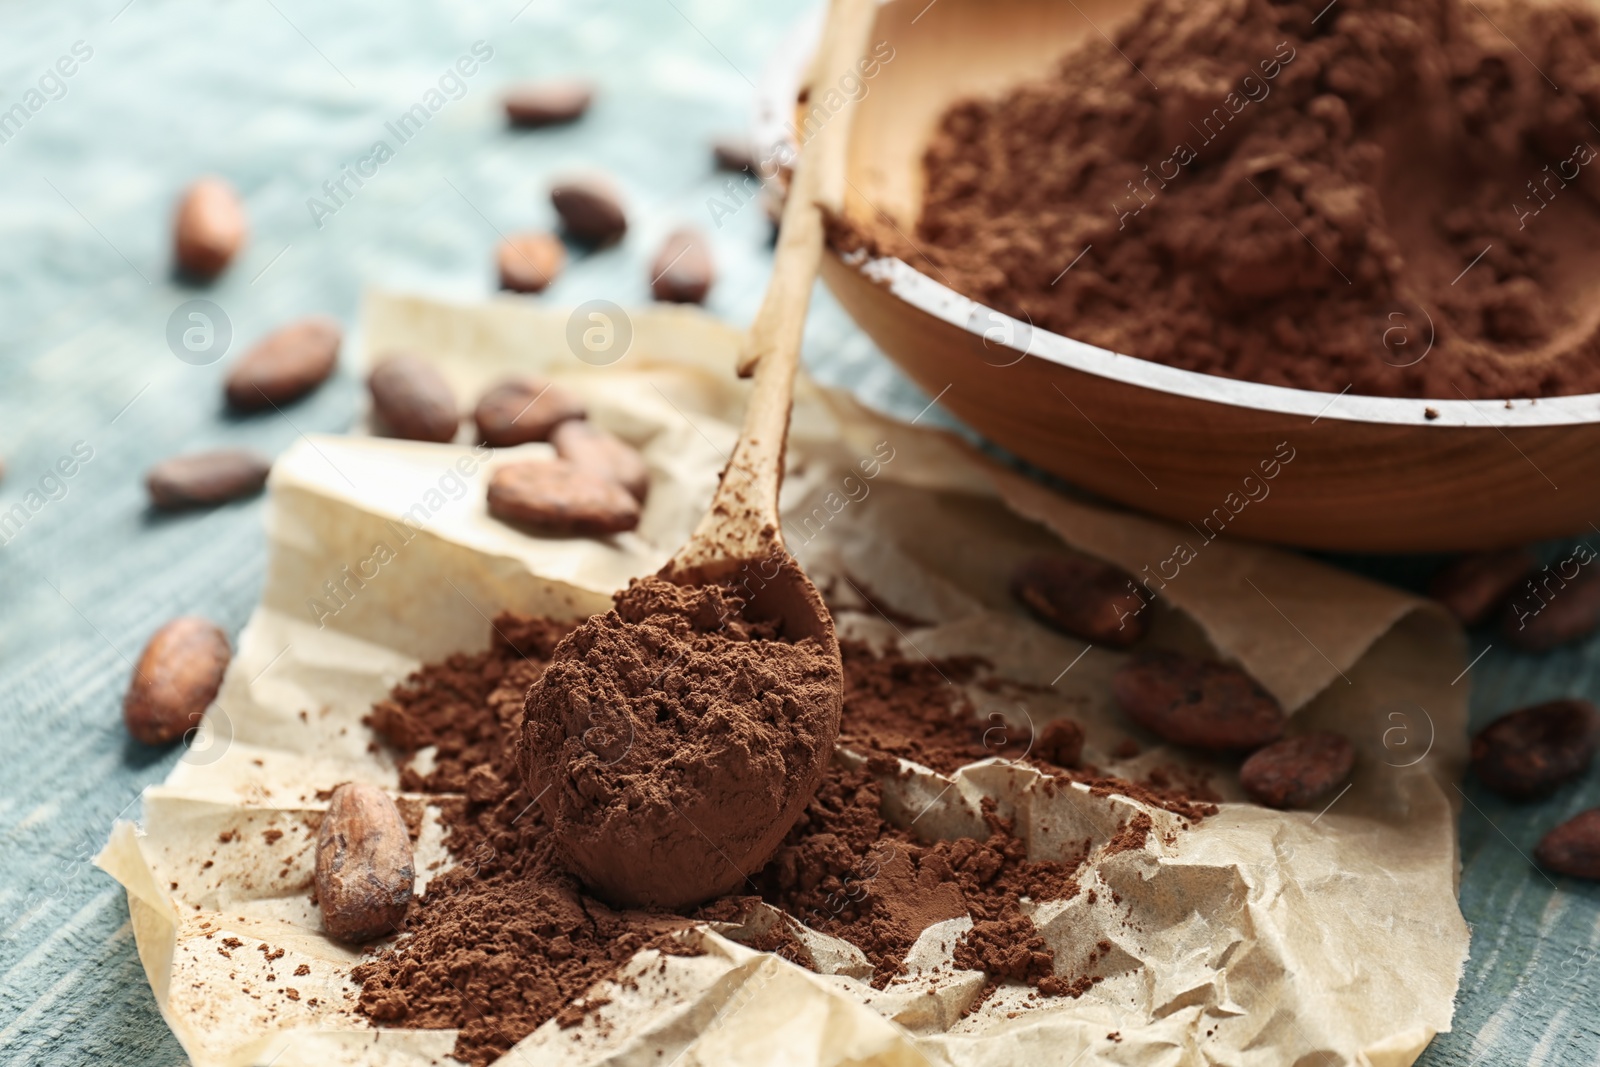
<point>1259,937</point>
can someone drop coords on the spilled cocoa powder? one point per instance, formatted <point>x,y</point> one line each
<point>507,939</point>
<point>912,710</point>
<point>1389,196</point>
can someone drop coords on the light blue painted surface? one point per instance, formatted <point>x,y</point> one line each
<point>277,95</point>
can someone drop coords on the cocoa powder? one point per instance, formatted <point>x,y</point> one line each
<point>672,742</point>
<point>1391,197</point>
<point>507,939</point>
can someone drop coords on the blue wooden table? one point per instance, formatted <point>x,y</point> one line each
<point>279,96</point>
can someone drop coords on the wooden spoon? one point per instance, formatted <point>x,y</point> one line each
<point>740,542</point>
<point>742,526</point>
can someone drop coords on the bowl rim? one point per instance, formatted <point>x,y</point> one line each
<point>772,130</point>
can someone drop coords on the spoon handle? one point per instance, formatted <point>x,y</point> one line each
<point>743,522</point>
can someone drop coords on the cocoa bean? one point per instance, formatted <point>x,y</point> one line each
<point>1533,751</point>
<point>209,228</point>
<point>1548,611</point>
<point>682,272</point>
<point>1573,847</point>
<point>1473,586</point>
<point>521,410</point>
<point>548,103</point>
<point>1200,704</point>
<point>284,365</point>
<point>556,498</point>
<point>365,869</point>
<point>205,479</point>
<point>528,262</point>
<point>411,400</point>
<point>176,679</point>
<point>590,210</point>
<point>589,448</point>
<point>1297,771</point>
<point>1082,597</point>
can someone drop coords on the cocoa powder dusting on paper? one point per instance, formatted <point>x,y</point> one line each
<point>507,939</point>
<point>909,709</point>
<point>1388,196</point>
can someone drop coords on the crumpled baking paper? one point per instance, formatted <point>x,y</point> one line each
<point>1259,937</point>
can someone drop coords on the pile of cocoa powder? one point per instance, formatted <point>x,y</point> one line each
<point>1389,196</point>
<point>507,939</point>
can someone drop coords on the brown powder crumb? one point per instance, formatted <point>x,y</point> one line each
<point>1132,836</point>
<point>1313,198</point>
<point>271,836</point>
<point>1006,949</point>
<point>1060,743</point>
<point>302,970</point>
<point>228,837</point>
<point>507,940</point>
<point>908,708</point>
<point>232,942</point>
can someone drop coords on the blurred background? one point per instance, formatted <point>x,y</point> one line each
<point>277,96</point>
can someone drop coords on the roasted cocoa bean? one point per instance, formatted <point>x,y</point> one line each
<point>176,679</point>
<point>1473,586</point>
<point>1082,597</point>
<point>365,869</point>
<point>556,498</point>
<point>1197,703</point>
<point>589,448</point>
<point>411,399</point>
<point>528,262</point>
<point>1531,752</point>
<point>209,228</point>
<point>521,410</point>
<point>206,479</point>
<point>1297,771</point>
<point>548,103</point>
<point>590,210</point>
<point>1573,847</point>
<point>682,272</point>
<point>1547,611</point>
<point>285,365</point>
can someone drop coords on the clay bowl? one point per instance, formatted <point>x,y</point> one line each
<point>1367,473</point>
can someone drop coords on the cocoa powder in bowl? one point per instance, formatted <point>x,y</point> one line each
<point>1388,197</point>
